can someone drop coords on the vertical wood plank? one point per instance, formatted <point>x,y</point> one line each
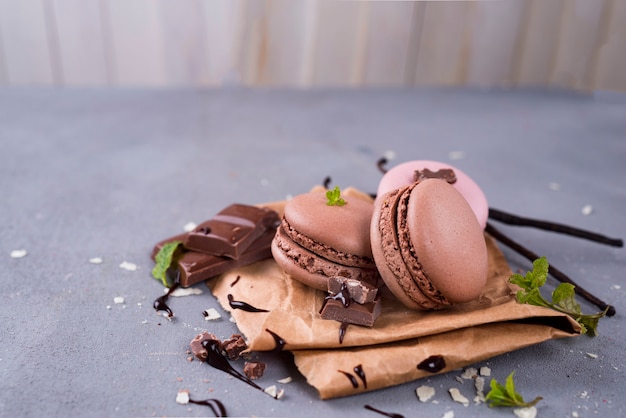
<point>253,51</point>
<point>224,37</point>
<point>288,43</point>
<point>137,42</point>
<point>81,42</point>
<point>336,43</point>
<point>610,72</point>
<point>580,36</point>
<point>388,42</point>
<point>27,55</point>
<point>185,48</point>
<point>496,30</point>
<point>536,57</point>
<point>445,27</point>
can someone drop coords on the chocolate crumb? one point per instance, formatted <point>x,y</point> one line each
<point>234,346</point>
<point>254,369</point>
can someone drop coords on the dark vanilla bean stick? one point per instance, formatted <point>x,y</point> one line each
<point>511,219</point>
<point>557,274</point>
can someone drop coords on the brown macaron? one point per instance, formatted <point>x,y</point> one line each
<point>428,245</point>
<point>316,241</point>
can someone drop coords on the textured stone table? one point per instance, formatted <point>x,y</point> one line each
<point>108,173</point>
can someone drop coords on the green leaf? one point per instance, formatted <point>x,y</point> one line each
<point>334,197</point>
<point>506,395</point>
<point>563,296</point>
<point>164,259</point>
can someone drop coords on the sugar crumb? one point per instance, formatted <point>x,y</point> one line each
<point>182,397</point>
<point>126,265</point>
<point>586,210</point>
<point>18,253</point>
<point>528,412</point>
<point>118,300</point>
<point>189,226</point>
<point>425,393</point>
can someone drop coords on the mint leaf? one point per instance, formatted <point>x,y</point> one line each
<point>506,395</point>
<point>164,259</point>
<point>334,198</point>
<point>563,297</point>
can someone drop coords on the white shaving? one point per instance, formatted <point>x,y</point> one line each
<point>95,260</point>
<point>273,392</point>
<point>126,265</point>
<point>18,253</point>
<point>458,397</point>
<point>285,380</point>
<point>529,412</point>
<point>469,373</point>
<point>182,291</point>
<point>485,371</point>
<point>425,393</point>
<point>211,314</point>
<point>182,397</point>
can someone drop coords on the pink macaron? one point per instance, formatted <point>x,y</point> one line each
<point>403,175</point>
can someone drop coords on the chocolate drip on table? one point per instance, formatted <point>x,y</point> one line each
<point>387,414</point>
<point>160,303</point>
<point>216,359</point>
<point>216,406</point>
<point>236,304</point>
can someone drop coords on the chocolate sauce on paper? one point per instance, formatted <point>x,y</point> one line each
<point>352,379</point>
<point>342,331</point>
<point>358,370</point>
<point>387,414</point>
<point>432,364</point>
<point>236,304</point>
<point>160,303</point>
<point>216,359</point>
<point>280,343</point>
<point>235,281</point>
<point>216,406</point>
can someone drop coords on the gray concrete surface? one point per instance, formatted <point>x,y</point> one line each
<point>107,173</point>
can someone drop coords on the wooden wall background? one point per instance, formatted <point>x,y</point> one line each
<point>579,44</point>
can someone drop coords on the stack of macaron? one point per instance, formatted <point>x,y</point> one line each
<point>423,235</point>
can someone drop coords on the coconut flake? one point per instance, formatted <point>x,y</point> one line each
<point>273,392</point>
<point>592,355</point>
<point>458,397</point>
<point>469,373</point>
<point>18,253</point>
<point>189,226</point>
<point>285,380</point>
<point>211,314</point>
<point>485,371</point>
<point>126,265</point>
<point>96,260</point>
<point>118,300</point>
<point>424,393</point>
<point>182,397</point>
<point>528,412</point>
<point>184,291</point>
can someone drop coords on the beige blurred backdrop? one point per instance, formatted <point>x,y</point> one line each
<point>574,44</point>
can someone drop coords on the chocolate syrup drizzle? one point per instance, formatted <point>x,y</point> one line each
<point>160,303</point>
<point>236,304</point>
<point>355,383</point>
<point>387,414</point>
<point>433,364</point>
<point>358,370</point>
<point>216,359</point>
<point>280,342</point>
<point>216,406</point>
<point>235,281</point>
<point>342,331</point>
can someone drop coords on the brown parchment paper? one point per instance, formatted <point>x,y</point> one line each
<point>400,339</point>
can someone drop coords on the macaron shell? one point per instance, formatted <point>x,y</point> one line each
<point>448,240</point>
<point>403,174</point>
<point>343,228</point>
<point>385,249</point>
<point>311,269</point>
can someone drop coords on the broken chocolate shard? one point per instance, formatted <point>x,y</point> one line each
<point>195,267</point>
<point>356,313</point>
<point>234,346</point>
<point>231,231</point>
<point>254,369</point>
<point>197,347</point>
<point>359,291</point>
<point>446,174</point>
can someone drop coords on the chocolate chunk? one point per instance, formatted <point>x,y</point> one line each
<point>254,369</point>
<point>355,313</point>
<point>195,267</point>
<point>234,346</point>
<point>359,291</point>
<point>231,231</point>
<point>197,348</point>
<point>446,174</point>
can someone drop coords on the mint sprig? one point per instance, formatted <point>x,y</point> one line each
<point>563,297</point>
<point>334,197</point>
<point>506,395</point>
<point>164,259</point>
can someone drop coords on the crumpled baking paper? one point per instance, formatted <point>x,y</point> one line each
<point>388,353</point>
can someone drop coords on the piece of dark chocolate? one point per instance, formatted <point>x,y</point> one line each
<point>234,346</point>
<point>359,291</point>
<point>195,267</point>
<point>355,313</point>
<point>231,231</point>
<point>446,174</point>
<point>197,348</point>
<point>254,369</point>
